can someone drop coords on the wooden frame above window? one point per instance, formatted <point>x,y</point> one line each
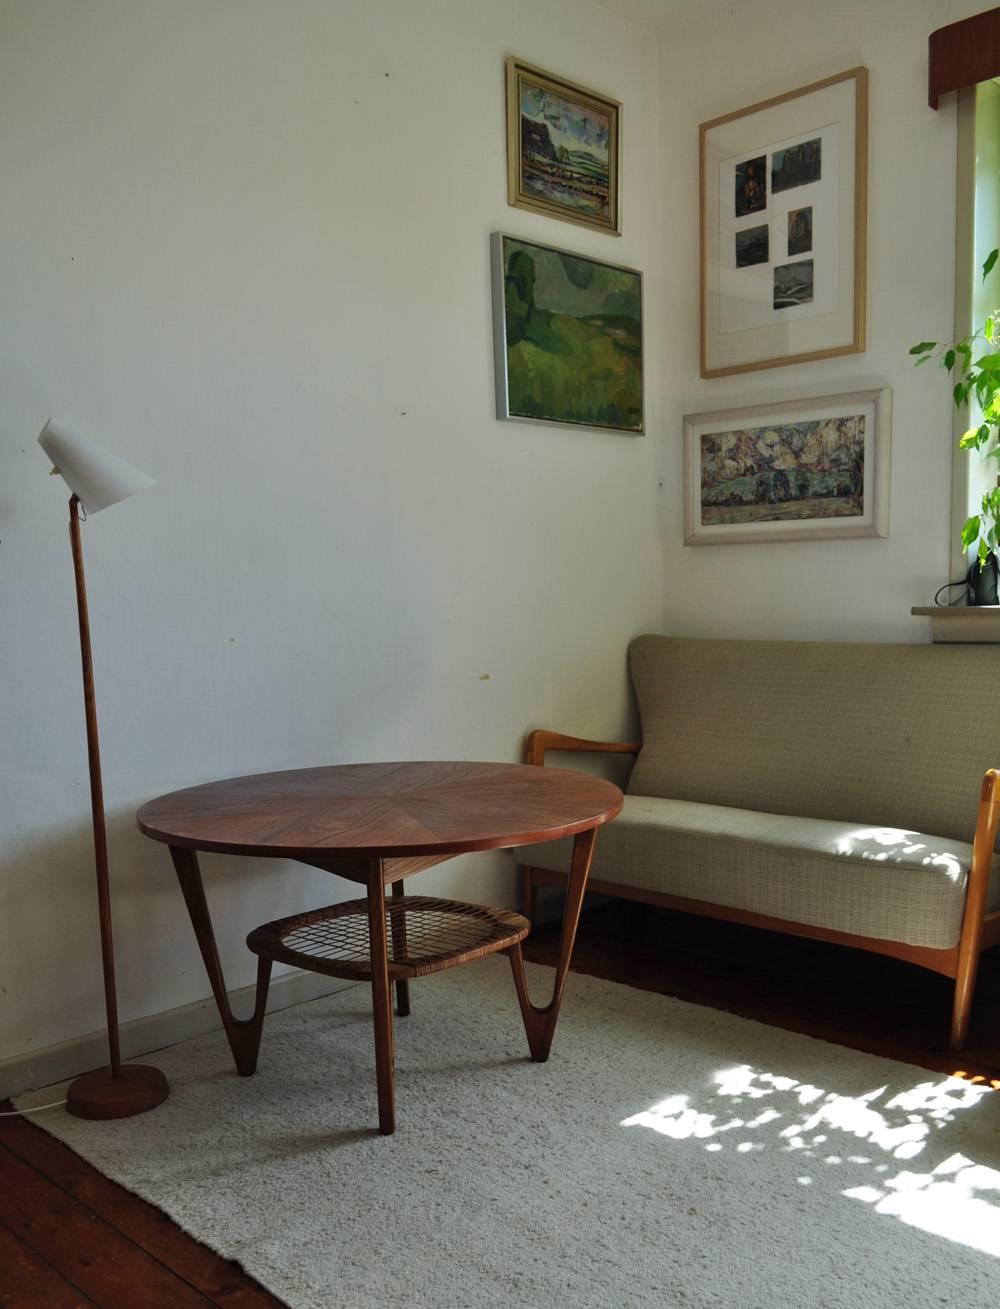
<point>963,54</point>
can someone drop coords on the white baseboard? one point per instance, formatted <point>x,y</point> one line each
<point>143,1036</point>
<point>56,1063</point>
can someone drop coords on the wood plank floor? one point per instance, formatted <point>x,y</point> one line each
<point>852,998</point>
<point>70,1237</point>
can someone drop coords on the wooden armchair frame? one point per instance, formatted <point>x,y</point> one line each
<point>538,742</point>
<point>980,930</point>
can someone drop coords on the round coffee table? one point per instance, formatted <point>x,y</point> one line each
<point>377,824</point>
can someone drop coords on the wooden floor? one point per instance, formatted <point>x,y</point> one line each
<point>69,1237</point>
<point>860,1000</point>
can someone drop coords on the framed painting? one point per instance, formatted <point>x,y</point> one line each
<point>792,470</point>
<point>568,337</point>
<point>563,149</point>
<point>783,228</point>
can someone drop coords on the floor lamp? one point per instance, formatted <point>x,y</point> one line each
<point>98,479</point>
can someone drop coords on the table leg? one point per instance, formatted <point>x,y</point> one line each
<point>381,999</point>
<point>540,1023</point>
<point>398,951</point>
<point>243,1034</point>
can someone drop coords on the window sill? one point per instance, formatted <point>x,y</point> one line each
<point>966,624</point>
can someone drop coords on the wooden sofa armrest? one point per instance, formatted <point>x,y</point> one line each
<point>539,741</point>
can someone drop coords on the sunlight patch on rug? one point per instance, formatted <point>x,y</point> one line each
<point>957,1199</point>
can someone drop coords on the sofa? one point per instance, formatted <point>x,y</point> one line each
<point>837,791</point>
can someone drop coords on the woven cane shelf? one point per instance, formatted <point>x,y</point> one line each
<point>425,935</point>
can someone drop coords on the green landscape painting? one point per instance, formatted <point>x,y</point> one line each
<point>571,334</point>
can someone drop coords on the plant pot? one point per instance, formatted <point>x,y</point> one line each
<point>983,581</point>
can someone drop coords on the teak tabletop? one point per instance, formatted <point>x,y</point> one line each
<point>373,824</point>
<point>391,810</point>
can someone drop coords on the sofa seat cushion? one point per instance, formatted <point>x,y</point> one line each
<point>880,882</point>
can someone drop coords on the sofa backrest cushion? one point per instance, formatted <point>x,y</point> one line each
<point>889,735</point>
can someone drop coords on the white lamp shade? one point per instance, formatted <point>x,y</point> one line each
<point>96,476</point>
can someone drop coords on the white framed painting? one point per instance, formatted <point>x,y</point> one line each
<point>789,470</point>
<point>783,228</point>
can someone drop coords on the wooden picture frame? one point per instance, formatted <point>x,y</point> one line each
<point>784,202</point>
<point>794,469</point>
<point>568,338</point>
<point>563,149</point>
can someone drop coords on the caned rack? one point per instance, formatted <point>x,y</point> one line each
<point>424,935</point>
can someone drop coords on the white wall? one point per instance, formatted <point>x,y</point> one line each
<point>852,589</point>
<point>245,244</point>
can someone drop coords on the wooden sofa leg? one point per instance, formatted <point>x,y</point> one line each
<point>960,1013</point>
<point>970,942</point>
<point>965,977</point>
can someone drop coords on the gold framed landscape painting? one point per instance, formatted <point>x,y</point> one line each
<point>790,470</point>
<point>568,337</point>
<point>783,228</point>
<point>563,149</point>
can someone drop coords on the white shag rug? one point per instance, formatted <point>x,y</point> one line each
<point>666,1155</point>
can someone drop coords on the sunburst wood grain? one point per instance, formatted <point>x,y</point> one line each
<point>390,810</point>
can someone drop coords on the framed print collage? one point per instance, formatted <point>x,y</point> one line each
<point>783,223</point>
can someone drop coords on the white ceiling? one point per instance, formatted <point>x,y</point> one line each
<point>674,16</point>
<point>664,16</point>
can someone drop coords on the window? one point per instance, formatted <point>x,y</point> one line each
<point>977,233</point>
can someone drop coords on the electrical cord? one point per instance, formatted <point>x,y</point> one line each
<point>31,1109</point>
<point>950,604</point>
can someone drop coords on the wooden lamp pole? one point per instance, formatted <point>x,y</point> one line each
<point>98,479</point>
<point>115,1091</point>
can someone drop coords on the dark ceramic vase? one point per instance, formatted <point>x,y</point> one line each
<point>983,581</point>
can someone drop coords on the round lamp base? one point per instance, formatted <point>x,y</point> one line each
<point>136,1089</point>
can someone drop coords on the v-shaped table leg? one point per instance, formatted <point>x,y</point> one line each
<point>540,1024</point>
<point>244,1034</point>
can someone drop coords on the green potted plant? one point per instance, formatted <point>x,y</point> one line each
<point>974,364</point>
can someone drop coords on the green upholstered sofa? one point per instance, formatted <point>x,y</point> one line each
<point>838,791</point>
